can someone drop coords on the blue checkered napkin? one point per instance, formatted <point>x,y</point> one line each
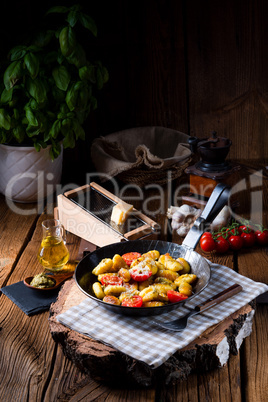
<point>143,340</point>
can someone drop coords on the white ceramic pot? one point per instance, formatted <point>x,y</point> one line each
<point>27,175</point>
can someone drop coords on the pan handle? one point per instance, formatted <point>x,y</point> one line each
<point>218,199</point>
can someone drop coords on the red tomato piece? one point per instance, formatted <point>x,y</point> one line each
<point>206,234</point>
<point>245,229</point>
<point>235,231</point>
<point>248,239</point>
<point>174,296</point>
<point>132,301</point>
<point>262,237</point>
<point>140,274</point>
<point>129,257</point>
<point>222,245</point>
<point>236,242</point>
<point>111,280</point>
<point>207,244</point>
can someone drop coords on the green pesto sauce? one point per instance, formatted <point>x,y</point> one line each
<point>42,281</point>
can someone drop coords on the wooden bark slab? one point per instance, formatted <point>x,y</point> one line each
<point>211,350</point>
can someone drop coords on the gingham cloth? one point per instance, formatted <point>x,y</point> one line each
<point>142,339</point>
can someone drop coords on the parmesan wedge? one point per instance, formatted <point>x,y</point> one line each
<point>120,212</point>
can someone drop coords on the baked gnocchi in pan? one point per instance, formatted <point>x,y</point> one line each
<point>143,280</point>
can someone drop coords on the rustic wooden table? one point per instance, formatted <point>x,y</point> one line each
<point>34,368</point>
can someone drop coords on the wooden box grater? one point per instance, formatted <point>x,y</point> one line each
<point>86,212</point>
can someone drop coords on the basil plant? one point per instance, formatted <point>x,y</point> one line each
<point>49,85</point>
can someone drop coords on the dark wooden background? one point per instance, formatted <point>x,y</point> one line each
<point>191,65</point>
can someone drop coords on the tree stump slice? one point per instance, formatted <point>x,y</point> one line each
<point>103,363</point>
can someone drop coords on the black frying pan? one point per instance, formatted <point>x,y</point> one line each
<point>199,265</point>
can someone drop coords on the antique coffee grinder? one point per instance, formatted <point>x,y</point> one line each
<point>211,168</point>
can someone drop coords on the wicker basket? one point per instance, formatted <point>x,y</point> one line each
<point>142,176</point>
<point>142,155</point>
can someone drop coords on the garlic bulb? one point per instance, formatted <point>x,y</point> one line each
<point>183,218</point>
<point>182,231</point>
<point>178,216</point>
<point>221,219</point>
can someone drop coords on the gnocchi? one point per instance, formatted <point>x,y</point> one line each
<point>149,277</point>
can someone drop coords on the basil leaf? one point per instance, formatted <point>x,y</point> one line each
<point>6,95</point>
<point>5,119</point>
<point>77,57</point>
<point>99,77</point>
<point>58,9</point>
<point>76,7</point>
<point>105,74</point>
<point>79,131</point>
<point>72,18</point>
<point>16,114</point>
<point>19,133</point>
<point>33,104</point>
<point>62,77</point>
<point>67,41</point>
<point>71,98</point>
<point>3,137</point>
<point>32,131</point>
<point>94,102</point>
<point>69,140</point>
<point>32,64</point>
<point>42,120</point>
<point>18,52</point>
<point>64,109</point>
<point>88,23</point>
<point>37,146</point>
<point>33,49</point>
<point>55,129</point>
<point>12,74</point>
<point>37,90</point>
<point>43,38</point>
<point>31,117</point>
<point>87,73</point>
<point>83,97</point>
<point>55,150</point>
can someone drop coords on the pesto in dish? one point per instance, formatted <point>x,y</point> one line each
<point>42,281</point>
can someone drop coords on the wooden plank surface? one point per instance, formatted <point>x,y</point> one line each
<point>26,341</point>
<point>253,264</point>
<point>15,232</point>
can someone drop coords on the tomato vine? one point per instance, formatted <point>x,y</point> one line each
<point>234,236</point>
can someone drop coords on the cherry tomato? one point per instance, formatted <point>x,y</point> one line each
<point>207,244</point>
<point>132,301</point>
<point>111,300</point>
<point>248,239</point>
<point>235,242</point>
<point>129,257</point>
<point>262,237</point>
<point>245,229</point>
<point>111,280</point>
<point>140,274</point>
<point>222,245</point>
<point>206,234</point>
<point>174,296</point>
<point>234,231</point>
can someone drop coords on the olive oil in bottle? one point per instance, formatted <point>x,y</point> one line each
<point>53,254</point>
